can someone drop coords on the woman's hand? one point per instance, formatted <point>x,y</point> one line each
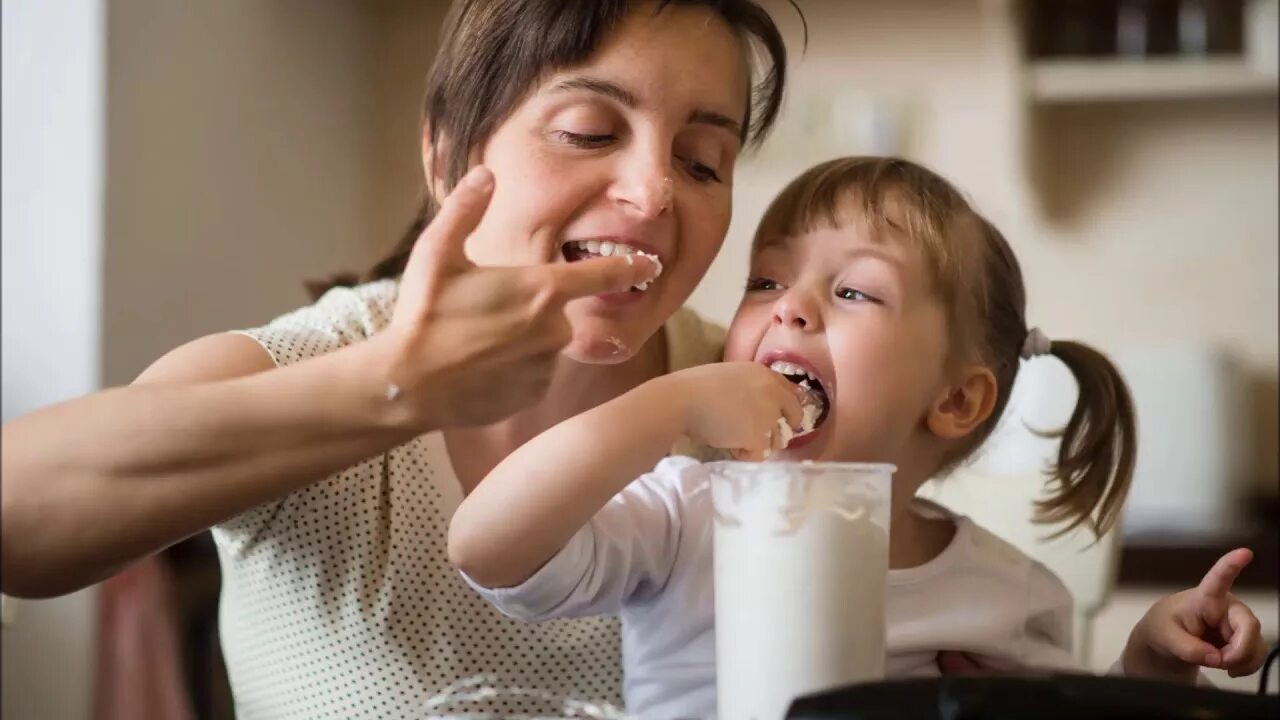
<point>471,345</point>
<point>737,406</point>
<point>1206,626</point>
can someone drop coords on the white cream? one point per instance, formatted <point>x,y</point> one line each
<point>811,407</point>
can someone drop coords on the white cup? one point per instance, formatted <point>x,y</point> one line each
<point>801,560</point>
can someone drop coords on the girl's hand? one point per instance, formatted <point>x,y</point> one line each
<point>470,345</point>
<point>1203,627</point>
<point>737,406</point>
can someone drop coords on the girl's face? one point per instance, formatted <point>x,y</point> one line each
<point>635,148</point>
<point>859,314</point>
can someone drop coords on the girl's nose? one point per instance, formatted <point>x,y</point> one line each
<point>796,309</point>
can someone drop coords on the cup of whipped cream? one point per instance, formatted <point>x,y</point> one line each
<point>801,561</point>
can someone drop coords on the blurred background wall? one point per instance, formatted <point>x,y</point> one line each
<point>177,168</point>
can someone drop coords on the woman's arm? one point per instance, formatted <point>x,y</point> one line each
<point>534,501</point>
<point>214,429</point>
<point>208,432</point>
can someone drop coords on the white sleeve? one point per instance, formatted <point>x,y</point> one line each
<point>342,317</point>
<point>626,552</point>
<point>1050,616</point>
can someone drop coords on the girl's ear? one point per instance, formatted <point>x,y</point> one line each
<point>962,407</point>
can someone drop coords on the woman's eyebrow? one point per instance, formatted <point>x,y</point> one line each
<point>627,98</point>
<point>601,87</point>
<point>707,117</point>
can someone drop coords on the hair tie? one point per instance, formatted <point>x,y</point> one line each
<point>1036,344</point>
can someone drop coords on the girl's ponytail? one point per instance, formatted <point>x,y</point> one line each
<point>1089,481</point>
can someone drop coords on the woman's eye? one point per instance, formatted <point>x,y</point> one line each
<point>700,172</point>
<point>848,293</point>
<point>762,284</point>
<point>582,140</point>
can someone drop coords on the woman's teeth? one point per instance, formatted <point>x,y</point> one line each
<point>606,248</point>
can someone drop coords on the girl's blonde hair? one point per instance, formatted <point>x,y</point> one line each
<point>977,277</point>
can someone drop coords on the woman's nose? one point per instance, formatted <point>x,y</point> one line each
<point>796,309</point>
<point>646,189</point>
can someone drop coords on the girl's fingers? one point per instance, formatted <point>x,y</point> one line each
<point>1190,649</point>
<point>1218,581</point>
<point>1244,652</point>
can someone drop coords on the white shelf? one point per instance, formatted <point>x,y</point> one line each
<point>1109,80</point>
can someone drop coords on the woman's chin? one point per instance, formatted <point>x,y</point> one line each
<point>606,341</point>
<point>599,349</point>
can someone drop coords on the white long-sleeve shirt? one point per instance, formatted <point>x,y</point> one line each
<point>646,556</point>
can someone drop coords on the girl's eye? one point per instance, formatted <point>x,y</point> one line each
<point>762,284</point>
<point>848,293</point>
<point>583,140</point>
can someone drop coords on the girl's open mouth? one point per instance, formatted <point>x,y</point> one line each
<point>817,404</point>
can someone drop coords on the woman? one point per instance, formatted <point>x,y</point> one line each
<point>328,449</point>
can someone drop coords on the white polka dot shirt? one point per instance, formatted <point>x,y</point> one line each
<point>338,601</point>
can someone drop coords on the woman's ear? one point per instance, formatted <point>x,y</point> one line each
<point>434,154</point>
<point>963,407</point>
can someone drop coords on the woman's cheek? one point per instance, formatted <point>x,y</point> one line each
<point>707,233</point>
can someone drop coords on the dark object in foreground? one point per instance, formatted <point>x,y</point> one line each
<point>1047,697</point>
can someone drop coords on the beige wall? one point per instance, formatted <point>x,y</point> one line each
<point>252,143</point>
<point>236,164</point>
<point>406,37</point>
<point>1135,223</point>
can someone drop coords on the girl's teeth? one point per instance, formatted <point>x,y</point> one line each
<point>593,247</point>
<point>786,368</point>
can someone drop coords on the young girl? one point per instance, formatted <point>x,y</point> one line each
<point>902,311</point>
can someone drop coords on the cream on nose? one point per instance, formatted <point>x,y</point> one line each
<point>668,194</point>
<point>657,197</point>
<point>652,197</point>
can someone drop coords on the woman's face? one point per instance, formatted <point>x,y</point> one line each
<point>636,147</point>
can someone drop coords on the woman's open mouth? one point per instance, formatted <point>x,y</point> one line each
<point>576,250</point>
<point>817,404</point>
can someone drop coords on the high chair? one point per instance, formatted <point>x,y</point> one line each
<point>998,487</point>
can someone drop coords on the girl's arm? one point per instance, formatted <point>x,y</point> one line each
<point>535,500</point>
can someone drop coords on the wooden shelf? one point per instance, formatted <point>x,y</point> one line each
<point>1115,80</point>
